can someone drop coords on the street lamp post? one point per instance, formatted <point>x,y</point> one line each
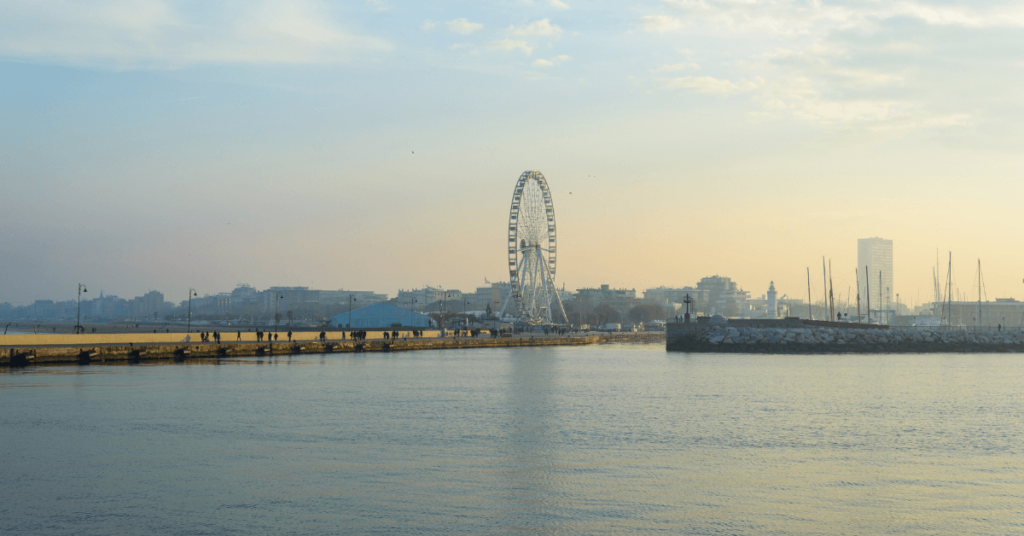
<point>191,292</point>
<point>277,317</point>
<point>350,300</point>
<point>78,324</point>
<point>444,310</point>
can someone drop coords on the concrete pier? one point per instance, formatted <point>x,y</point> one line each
<point>22,350</point>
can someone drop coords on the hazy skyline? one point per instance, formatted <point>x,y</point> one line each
<point>374,145</point>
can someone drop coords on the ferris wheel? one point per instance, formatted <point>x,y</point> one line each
<point>532,247</point>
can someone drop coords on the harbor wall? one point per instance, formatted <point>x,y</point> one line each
<point>811,337</point>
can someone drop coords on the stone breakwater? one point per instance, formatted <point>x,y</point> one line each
<point>803,340</point>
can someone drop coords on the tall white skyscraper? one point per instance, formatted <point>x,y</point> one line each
<point>876,254</point>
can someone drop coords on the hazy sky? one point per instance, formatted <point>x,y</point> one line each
<point>159,144</point>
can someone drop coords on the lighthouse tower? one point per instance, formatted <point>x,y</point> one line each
<point>773,308</point>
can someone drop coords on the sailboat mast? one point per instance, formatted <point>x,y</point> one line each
<point>979,296</point>
<point>824,286</point>
<point>856,273</point>
<point>831,298</point>
<point>867,283</point>
<point>949,291</point>
<point>881,303</point>
<point>810,313</point>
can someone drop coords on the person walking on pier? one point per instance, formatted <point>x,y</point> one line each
<point>239,335</point>
<point>289,335</point>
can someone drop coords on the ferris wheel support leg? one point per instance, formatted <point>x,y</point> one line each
<point>558,299</point>
<point>536,268</point>
<point>546,276</point>
<point>502,313</point>
<point>518,289</point>
<point>513,288</point>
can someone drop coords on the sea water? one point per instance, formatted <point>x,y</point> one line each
<point>611,439</point>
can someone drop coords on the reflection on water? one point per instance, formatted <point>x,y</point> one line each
<point>595,440</point>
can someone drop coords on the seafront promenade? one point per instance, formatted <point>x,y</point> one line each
<point>22,350</point>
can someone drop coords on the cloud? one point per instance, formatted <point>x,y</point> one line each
<point>711,85</point>
<point>676,67</point>
<point>797,17</point>
<point>540,28</point>
<point>428,25</point>
<point>659,23</point>
<point>127,34</point>
<point>510,44</point>
<point>462,26</point>
<point>802,98</point>
<point>558,4</point>
<point>557,60</point>
<point>882,64</point>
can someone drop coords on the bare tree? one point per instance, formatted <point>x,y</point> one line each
<point>645,313</point>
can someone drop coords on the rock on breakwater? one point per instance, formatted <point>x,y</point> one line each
<point>807,339</point>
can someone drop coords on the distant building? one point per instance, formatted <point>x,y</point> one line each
<point>67,309</point>
<point>431,299</point>
<point>773,306</point>
<point>360,298</point>
<point>673,297</point>
<point>724,297</point>
<point>216,304</point>
<point>107,308</point>
<point>492,296</point>
<point>380,315</point>
<point>876,255</point>
<point>1005,312</point>
<point>620,299</point>
<point>289,297</point>
<point>148,306</point>
<point>244,298</point>
<point>44,310</point>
